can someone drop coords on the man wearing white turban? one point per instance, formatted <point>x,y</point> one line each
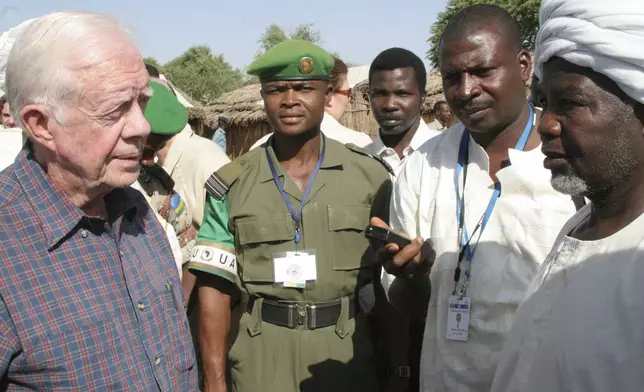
<point>580,328</point>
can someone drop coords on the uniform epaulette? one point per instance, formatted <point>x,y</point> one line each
<point>220,181</point>
<point>364,152</point>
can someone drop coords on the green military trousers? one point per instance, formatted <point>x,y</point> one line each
<point>271,358</point>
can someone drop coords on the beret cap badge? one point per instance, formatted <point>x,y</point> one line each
<point>306,65</point>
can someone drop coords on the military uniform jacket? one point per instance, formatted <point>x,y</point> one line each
<point>251,221</point>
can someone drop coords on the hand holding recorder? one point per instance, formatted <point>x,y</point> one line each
<point>399,255</point>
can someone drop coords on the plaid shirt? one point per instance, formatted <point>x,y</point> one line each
<point>87,304</point>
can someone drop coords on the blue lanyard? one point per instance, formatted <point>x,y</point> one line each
<point>297,218</point>
<point>461,167</point>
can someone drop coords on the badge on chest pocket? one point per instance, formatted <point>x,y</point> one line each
<point>294,269</point>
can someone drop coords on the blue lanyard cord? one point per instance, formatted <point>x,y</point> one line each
<point>465,250</point>
<point>297,218</point>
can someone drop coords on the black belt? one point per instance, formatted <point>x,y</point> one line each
<point>315,315</point>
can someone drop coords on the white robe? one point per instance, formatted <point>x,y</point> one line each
<point>581,328</point>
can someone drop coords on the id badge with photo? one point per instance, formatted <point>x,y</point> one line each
<point>294,269</point>
<point>458,318</point>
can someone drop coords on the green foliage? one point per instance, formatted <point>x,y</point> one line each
<point>306,32</point>
<point>526,12</point>
<point>275,34</point>
<point>153,61</point>
<point>202,75</point>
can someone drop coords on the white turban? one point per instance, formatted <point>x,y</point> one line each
<point>7,40</point>
<point>604,35</point>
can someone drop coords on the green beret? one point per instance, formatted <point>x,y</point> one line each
<point>293,60</point>
<point>164,112</point>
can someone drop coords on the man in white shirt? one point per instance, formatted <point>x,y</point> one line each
<point>334,110</point>
<point>481,197</point>
<point>397,80</point>
<point>443,116</point>
<point>580,329</point>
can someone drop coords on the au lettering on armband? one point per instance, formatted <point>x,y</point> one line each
<point>215,261</point>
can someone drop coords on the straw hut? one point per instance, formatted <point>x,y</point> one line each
<point>245,110</point>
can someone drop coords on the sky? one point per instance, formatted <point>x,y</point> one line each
<point>357,29</point>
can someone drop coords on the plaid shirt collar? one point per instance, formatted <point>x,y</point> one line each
<point>55,210</point>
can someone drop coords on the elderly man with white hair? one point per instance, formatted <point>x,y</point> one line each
<point>580,329</point>
<point>90,298</point>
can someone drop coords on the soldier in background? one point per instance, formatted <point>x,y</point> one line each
<point>166,117</point>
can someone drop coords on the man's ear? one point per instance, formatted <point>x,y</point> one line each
<point>525,61</point>
<point>37,122</point>
<point>329,95</point>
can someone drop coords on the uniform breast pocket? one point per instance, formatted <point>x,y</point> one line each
<point>260,237</point>
<point>346,226</point>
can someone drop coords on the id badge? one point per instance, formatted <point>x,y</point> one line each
<point>294,269</point>
<point>458,318</point>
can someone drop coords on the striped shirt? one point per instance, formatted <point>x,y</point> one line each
<point>87,304</point>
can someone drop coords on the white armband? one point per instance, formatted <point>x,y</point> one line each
<point>214,261</point>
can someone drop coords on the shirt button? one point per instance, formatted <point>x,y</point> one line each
<point>121,253</point>
<point>84,233</point>
<point>141,306</point>
<point>157,361</point>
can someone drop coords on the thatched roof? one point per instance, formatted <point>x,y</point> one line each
<point>242,107</point>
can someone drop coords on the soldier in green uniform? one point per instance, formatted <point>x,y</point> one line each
<point>167,117</point>
<point>281,254</point>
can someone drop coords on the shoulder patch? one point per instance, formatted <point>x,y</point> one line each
<point>364,152</point>
<point>220,181</point>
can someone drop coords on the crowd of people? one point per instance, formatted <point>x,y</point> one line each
<point>495,248</point>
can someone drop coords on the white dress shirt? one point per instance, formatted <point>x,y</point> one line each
<point>389,155</point>
<point>580,330</point>
<point>522,228</point>
<point>333,130</point>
